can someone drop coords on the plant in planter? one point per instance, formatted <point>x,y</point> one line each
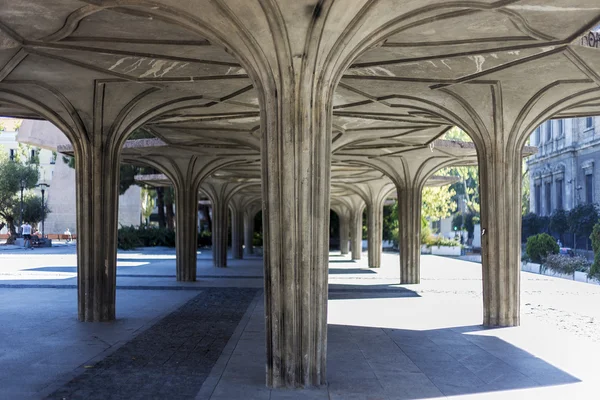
<point>540,246</point>
<point>565,265</point>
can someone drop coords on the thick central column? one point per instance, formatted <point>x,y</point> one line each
<point>409,225</point>
<point>97,174</point>
<point>186,215</point>
<point>237,233</point>
<point>500,177</point>
<point>375,234</point>
<point>296,162</point>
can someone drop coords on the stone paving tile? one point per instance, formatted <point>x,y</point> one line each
<point>172,358</point>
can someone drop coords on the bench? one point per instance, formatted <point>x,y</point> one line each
<point>60,236</point>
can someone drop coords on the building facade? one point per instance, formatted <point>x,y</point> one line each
<point>43,138</point>
<point>563,174</point>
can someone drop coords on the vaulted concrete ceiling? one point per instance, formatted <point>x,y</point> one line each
<point>176,68</point>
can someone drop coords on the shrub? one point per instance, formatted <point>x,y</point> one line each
<point>540,246</point>
<point>130,237</point>
<point>595,238</point>
<point>258,239</point>
<point>204,239</point>
<point>425,231</point>
<point>441,241</point>
<point>566,265</point>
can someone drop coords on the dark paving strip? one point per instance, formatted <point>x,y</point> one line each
<point>197,276</point>
<point>120,287</point>
<point>171,359</point>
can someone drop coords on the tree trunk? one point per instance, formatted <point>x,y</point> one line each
<point>170,215</point>
<point>160,204</point>
<point>12,230</point>
<point>169,200</point>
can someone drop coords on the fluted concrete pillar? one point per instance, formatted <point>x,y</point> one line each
<point>237,233</point>
<point>296,165</point>
<point>97,191</point>
<point>500,191</point>
<point>219,233</point>
<point>356,233</point>
<point>375,234</point>
<point>344,234</point>
<point>249,232</point>
<point>409,238</point>
<point>186,231</point>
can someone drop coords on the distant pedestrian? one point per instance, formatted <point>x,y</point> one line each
<point>69,236</point>
<point>26,231</point>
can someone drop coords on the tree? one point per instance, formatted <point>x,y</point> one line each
<point>32,209</point>
<point>457,222</point>
<point>595,238</point>
<point>581,221</point>
<point>455,133</point>
<point>559,223</point>
<point>437,202</point>
<point>469,225</point>
<point>390,222</point>
<point>11,174</point>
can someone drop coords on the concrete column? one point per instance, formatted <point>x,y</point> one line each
<point>356,233</point>
<point>219,233</point>
<point>375,234</point>
<point>97,177</point>
<point>500,191</point>
<point>409,225</point>
<point>186,230</point>
<point>344,234</point>
<point>296,165</point>
<point>249,232</point>
<point>237,233</point>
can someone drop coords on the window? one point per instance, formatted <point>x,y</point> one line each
<point>538,199</point>
<point>559,194</point>
<point>561,127</point>
<point>589,123</point>
<point>548,197</point>
<point>589,183</point>
<point>549,131</point>
<point>13,154</point>
<point>32,154</point>
<point>537,135</point>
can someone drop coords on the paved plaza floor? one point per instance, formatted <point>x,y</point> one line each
<point>205,340</point>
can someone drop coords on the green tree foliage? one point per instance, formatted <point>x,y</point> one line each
<point>469,224</point>
<point>525,190</point>
<point>457,134</point>
<point>540,246</point>
<point>11,174</point>
<point>595,238</point>
<point>32,209</point>
<point>425,231</point>
<point>581,219</point>
<point>438,203</point>
<point>559,223</point>
<point>457,222</point>
<point>390,222</point>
